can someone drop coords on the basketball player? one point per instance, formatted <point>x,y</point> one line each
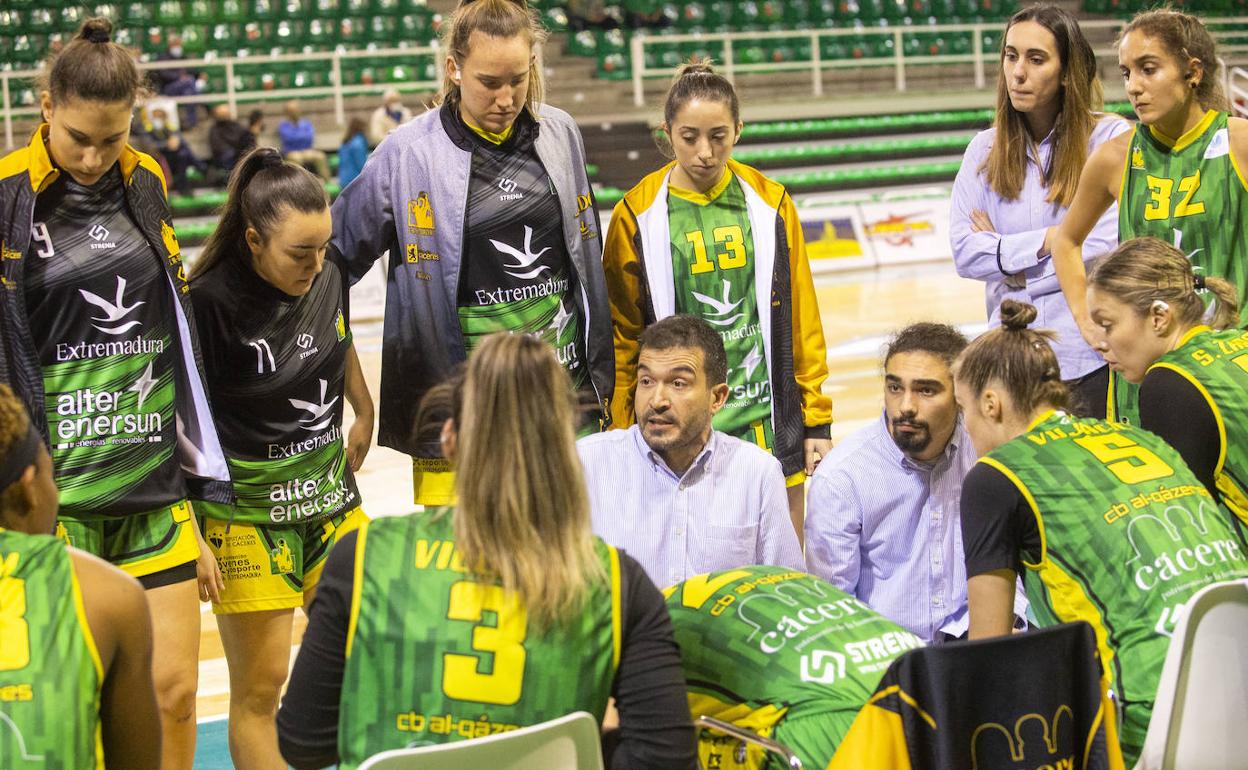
<point>272,316</point>
<point>1173,332</point>
<point>500,613</point>
<point>1104,521</point>
<point>100,344</point>
<point>748,640</point>
<point>1018,178</point>
<point>487,213</point>
<point>717,240</point>
<point>75,635</point>
<point>1178,176</point>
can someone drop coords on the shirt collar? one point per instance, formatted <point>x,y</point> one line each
<point>703,458</point>
<point>43,172</point>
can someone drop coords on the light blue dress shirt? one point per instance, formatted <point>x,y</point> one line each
<point>887,529</point>
<point>729,509</point>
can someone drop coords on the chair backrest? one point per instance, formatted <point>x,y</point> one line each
<point>1201,710</point>
<point>747,736</point>
<point>567,743</point>
<point>1026,700</point>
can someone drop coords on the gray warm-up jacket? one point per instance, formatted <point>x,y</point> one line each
<point>410,200</point>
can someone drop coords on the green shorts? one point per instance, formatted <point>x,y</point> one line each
<point>159,548</point>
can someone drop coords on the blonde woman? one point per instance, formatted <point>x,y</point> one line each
<point>412,610</point>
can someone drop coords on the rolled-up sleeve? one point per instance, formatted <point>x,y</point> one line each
<point>833,532</point>
<point>777,544</point>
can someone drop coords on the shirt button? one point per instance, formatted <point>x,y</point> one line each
<point>680,531</point>
<point>935,601</point>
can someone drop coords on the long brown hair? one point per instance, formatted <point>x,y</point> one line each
<point>14,425</point>
<point>523,510</point>
<point>1019,358</point>
<point>496,18</point>
<point>1185,37</point>
<point>1081,96</point>
<point>93,68</point>
<point>1145,270</point>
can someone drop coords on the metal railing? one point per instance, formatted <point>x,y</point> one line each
<point>233,95</point>
<point>727,43</point>
<point>1237,90</point>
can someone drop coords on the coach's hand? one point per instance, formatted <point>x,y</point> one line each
<point>359,440</point>
<point>816,449</point>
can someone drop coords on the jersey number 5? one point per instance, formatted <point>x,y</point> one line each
<point>500,646</point>
<point>14,631</point>
<point>729,237</point>
<point>1130,462</point>
<point>1162,190</point>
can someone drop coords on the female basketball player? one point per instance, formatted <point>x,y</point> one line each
<point>75,636</point>
<point>100,344</point>
<point>272,315</point>
<point>486,210</point>
<point>718,240</point>
<point>409,608</point>
<point>1018,178</point>
<point>1178,176</point>
<point>1101,519</point>
<point>1193,377</point>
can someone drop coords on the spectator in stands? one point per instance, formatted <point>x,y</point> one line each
<point>228,140</point>
<point>390,115</point>
<point>353,152</point>
<point>255,123</point>
<point>298,138</point>
<point>592,14</point>
<point>179,81</point>
<point>485,205</point>
<point>1018,178</point>
<point>679,496</point>
<point>646,14</point>
<point>174,149</point>
<point>882,523</point>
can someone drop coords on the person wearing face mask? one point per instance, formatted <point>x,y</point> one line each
<point>1172,331</point>
<point>487,213</point>
<point>273,315</point>
<point>1018,178</point>
<point>100,343</point>
<point>713,238</point>
<point>1179,176</point>
<point>390,115</point>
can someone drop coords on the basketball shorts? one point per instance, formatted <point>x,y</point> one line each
<point>158,548</point>
<point>272,566</point>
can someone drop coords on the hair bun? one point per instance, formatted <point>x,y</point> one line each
<point>1016,316</point>
<point>697,66</point>
<point>97,30</point>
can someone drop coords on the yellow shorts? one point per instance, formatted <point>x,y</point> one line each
<point>433,481</point>
<point>272,566</point>
<point>141,544</point>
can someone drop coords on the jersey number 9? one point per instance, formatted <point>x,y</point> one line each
<point>500,646</point>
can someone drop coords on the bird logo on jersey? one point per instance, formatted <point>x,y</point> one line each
<point>114,311</point>
<point>420,215</point>
<point>318,415</point>
<point>720,308</point>
<point>524,259</point>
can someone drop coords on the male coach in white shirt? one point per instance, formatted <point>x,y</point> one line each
<point>680,497</point>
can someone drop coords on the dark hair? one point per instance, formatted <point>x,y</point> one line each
<point>940,340</point>
<point>1081,94</point>
<point>356,125</point>
<point>1019,358</point>
<point>93,68</point>
<point>14,425</point>
<point>696,79</point>
<point>442,402</point>
<point>254,117</point>
<point>686,331</point>
<point>1142,271</point>
<point>261,189</point>
<point>1185,37</point>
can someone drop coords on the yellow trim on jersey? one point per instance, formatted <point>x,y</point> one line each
<point>1070,602</point>
<point>616,621</point>
<point>761,720</point>
<point>490,136</point>
<point>1189,136</point>
<point>706,198</point>
<point>1046,414</point>
<point>1031,501</point>
<point>1126,170</point>
<point>35,160</point>
<point>89,638</point>
<point>1192,332</point>
<point>1111,404</point>
<point>1234,163</point>
<point>357,584</point>
<point>906,698</point>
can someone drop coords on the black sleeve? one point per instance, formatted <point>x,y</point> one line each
<point>341,264</point>
<point>1175,409</point>
<point>656,731</point>
<point>998,526</point>
<point>307,722</point>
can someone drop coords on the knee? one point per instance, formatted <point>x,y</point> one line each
<point>175,691</point>
<point>261,691</point>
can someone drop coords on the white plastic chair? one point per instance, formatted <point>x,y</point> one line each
<point>566,743</point>
<point>1200,715</point>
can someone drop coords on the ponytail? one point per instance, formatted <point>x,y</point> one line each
<point>261,190</point>
<point>1019,358</point>
<point>93,68</point>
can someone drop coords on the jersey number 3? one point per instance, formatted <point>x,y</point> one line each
<point>500,646</point>
<point>14,631</point>
<point>1162,189</point>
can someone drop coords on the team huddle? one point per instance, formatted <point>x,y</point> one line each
<point>612,431</point>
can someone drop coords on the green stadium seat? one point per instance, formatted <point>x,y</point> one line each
<point>40,20</point>
<point>194,40</point>
<point>262,10</point>
<point>613,66</point>
<point>70,19</point>
<point>328,10</point>
<point>353,32</point>
<point>202,11</point>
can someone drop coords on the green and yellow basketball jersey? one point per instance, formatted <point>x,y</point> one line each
<point>435,655</point>
<point>781,653</point>
<point>713,269</point>
<point>1128,534</point>
<point>1123,403</point>
<point>50,670</point>
<point>1190,192</point>
<point>1216,363</point>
